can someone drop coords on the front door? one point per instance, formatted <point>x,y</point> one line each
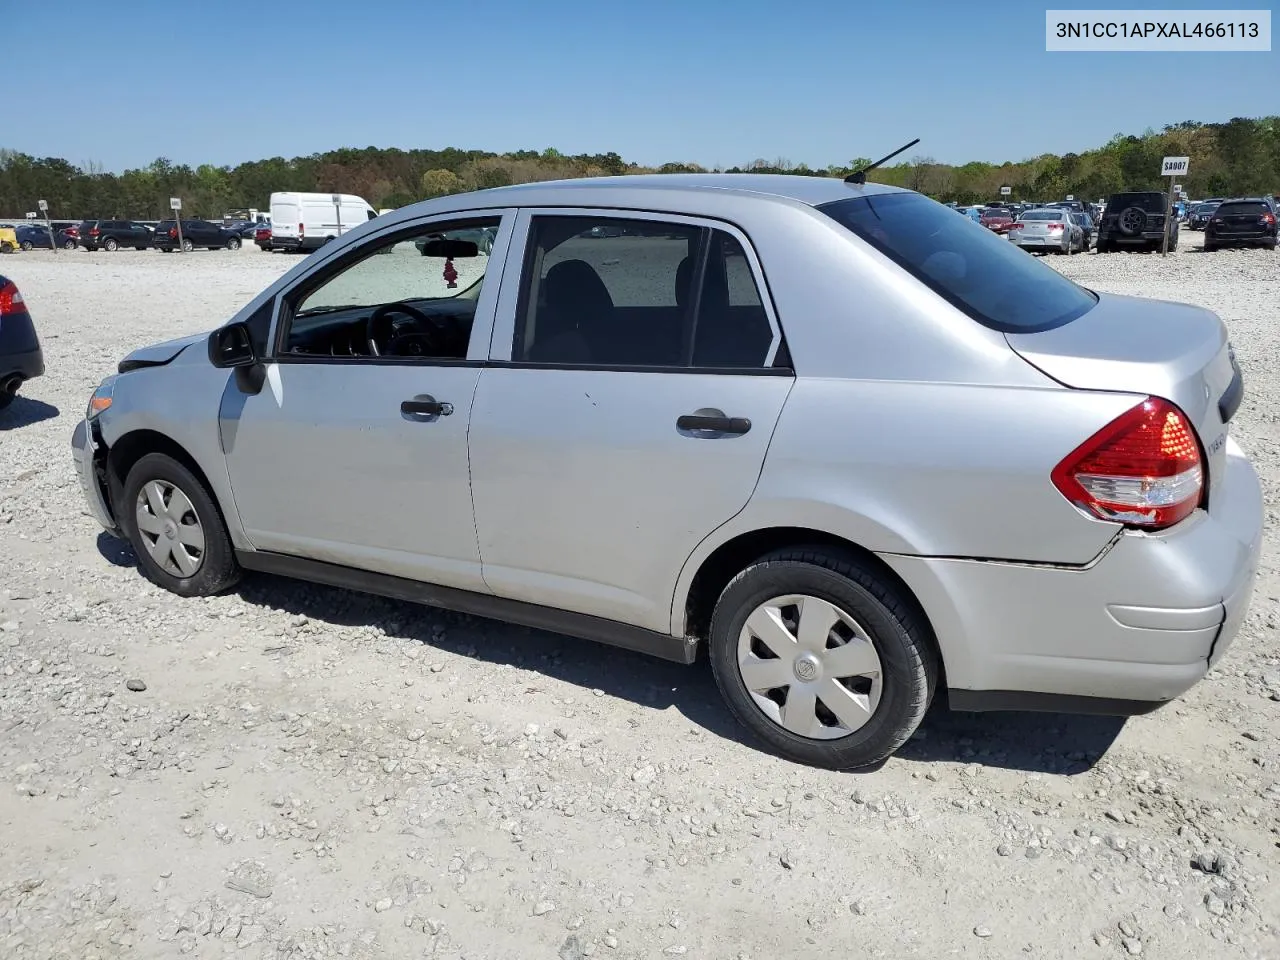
<point>610,434</point>
<point>355,449</point>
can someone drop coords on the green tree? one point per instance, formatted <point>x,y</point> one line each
<point>441,183</point>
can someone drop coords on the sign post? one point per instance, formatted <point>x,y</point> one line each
<point>1005,191</point>
<point>44,208</point>
<point>337,209</point>
<point>175,204</point>
<point>1172,167</point>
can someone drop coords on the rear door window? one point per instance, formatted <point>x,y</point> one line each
<point>979,272</point>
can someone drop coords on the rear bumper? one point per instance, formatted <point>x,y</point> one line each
<point>286,243</point>
<point>20,351</point>
<point>1227,239</point>
<point>1039,243</point>
<point>1139,625</point>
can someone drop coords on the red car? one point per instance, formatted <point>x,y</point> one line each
<point>997,219</point>
<point>262,237</point>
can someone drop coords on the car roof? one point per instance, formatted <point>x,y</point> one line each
<point>808,190</point>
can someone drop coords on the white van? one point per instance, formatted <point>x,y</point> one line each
<point>305,221</point>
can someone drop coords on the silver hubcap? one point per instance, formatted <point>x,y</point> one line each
<point>170,529</point>
<point>809,667</point>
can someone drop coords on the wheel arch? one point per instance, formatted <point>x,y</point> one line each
<point>131,447</point>
<point>693,610</point>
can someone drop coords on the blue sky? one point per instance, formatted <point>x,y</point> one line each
<point>716,83</point>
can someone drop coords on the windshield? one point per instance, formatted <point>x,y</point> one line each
<point>1255,208</point>
<point>984,275</point>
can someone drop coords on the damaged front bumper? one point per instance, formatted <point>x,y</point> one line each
<point>90,454</point>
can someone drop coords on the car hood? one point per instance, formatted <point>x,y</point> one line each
<point>158,354</point>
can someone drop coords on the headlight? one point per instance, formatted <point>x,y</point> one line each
<point>101,398</point>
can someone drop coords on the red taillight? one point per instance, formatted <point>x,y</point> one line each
<point>173,232</point>
<point>1015,226</point>
<point>1054,226</point>
<point>93,231</point>
<point>1268,218</point>
<point>302,228</point>
<point>1143,469</point>
<point>11,299</point>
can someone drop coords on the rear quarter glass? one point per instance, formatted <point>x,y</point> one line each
<point>982,274</point>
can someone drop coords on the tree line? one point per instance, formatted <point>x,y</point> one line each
<point>1240,157</point>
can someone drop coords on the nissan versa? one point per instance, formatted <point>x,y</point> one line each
<point>855,447</point>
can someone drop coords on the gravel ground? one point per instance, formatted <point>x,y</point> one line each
<point>292,771</point>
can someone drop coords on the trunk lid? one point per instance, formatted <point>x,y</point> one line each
<point>1133,345</point>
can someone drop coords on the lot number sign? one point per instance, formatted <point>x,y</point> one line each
<point>1175,166</point>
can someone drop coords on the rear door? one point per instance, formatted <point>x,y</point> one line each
<point>611,433</point>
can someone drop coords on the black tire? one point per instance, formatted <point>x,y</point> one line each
<point>6,246</point>
<point>1210,247</point>
<point>110,245</point>
<point>233,243</point>
<point>26,244</point>
<point>909,665</point>
<point>187,245</point>
<point>217,568</point>
<point>68,245</point>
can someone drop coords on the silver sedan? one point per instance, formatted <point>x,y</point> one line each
<point>1047,230</point>
<point>912,458</point>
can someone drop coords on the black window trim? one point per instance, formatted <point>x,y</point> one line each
<point>287,299</point>
<point>780,365</point>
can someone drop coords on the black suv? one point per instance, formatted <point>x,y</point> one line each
<point>195,233</point>
<point>111,235</point>
<point>1136,221</point>
<point>1244,222</point>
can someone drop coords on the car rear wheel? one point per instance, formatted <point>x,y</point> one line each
<point>68,245</point>
<point>822,658</point>
<point>187,246</point>
<point>110,245</point>
<point>176,530</point>
<point>233,243</point>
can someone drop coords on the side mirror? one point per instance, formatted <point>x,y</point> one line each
<point>232,346</point>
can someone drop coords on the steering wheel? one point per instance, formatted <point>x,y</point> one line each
<point>382,332</point>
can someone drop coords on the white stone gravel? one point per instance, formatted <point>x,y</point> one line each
<point>309,772</point>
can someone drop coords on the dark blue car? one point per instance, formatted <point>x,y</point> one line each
<point>33,235</point>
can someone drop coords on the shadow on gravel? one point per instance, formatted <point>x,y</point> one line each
<point>117,552</point>
<point>1037,742</point>
<point>646,681</point>
<point>23,411</point>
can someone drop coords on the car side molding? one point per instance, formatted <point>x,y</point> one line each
<point>610,632</point>
<point>1029,701</point>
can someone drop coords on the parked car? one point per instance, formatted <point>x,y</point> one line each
<point>1200,215</point>
<point>69,237</point>
<point>1245,222</point>
<point>33,235</point>
<point>1135,220</point>
<point>262,237</point>
<point>1085,222</point>
<point>998,219</point>
<point>630,439</point>
<point>1047,230</point>
<point>195,233</point>
<point>21,358</point>
<point>111,235</point>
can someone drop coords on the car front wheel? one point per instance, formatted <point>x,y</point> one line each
<point>176,529</point>
<point>233,243</point>
<point>822,658</point>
